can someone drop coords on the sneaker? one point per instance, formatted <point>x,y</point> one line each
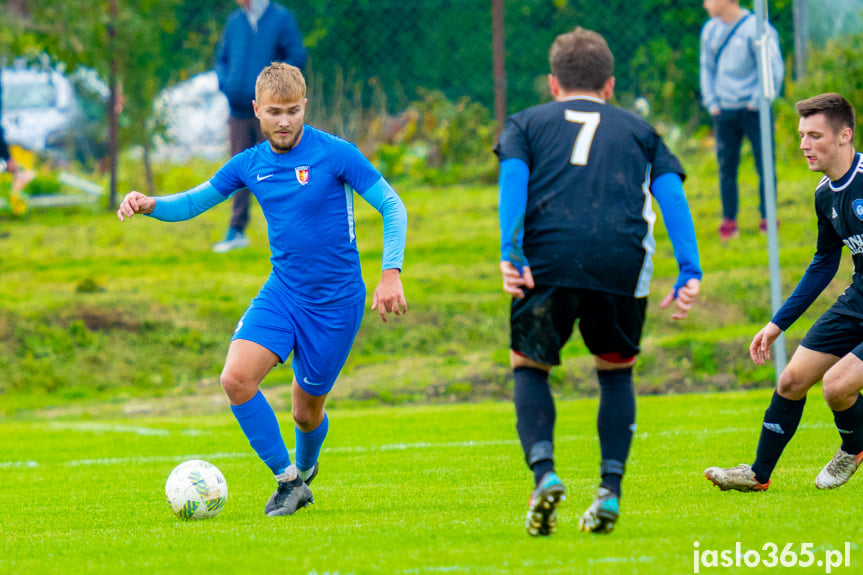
<point>235,240</point>
<point>839,470</point>
<point>602,514</point>
<point>542,510</point>
<point>292,494</point>
<point>313,475</point>
<point>728,229</point>
<point>740,478</point>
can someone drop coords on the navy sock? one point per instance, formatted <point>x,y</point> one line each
<point>258,421</point>
<point>309,444</point>
<point>615,423</point>
<point>780,423</point>
<point>535,414</point>
<point>850,426</point>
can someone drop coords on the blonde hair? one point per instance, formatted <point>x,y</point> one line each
<point>285,82</point>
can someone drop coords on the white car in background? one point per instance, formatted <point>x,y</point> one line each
<point>64,116</point>
<point>50,113</point>
<point>195,115</point>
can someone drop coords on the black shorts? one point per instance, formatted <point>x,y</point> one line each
<point>542,322</point>
<point>836,333</point>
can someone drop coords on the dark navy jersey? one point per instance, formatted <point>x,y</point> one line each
<point>589,217</point>
<point>839,206</point>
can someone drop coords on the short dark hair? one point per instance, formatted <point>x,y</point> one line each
<point>838,111</point>
<point>581,60</point>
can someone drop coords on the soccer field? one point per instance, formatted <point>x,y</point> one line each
<point>440,489</point>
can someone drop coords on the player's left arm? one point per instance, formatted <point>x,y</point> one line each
<point>389,295</point>
<point>668,191</point>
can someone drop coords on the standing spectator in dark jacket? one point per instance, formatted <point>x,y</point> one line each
<point>256,35</point>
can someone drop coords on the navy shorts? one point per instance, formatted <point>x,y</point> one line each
<point>320,337</point>
<point>836,333</point>
<point>542,322</point>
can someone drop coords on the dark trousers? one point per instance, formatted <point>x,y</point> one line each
<point>243,134</point>
<point>731,126</point>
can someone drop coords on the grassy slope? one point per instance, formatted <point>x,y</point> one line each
<point>415,490</point>
<point>91,308</point>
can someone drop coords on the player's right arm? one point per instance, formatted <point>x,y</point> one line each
<point>816,278</point>
<point>174,208</point>
<point>512,205</point>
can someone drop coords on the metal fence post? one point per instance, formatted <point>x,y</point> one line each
<point>499,56</point>
<point>765,75</point>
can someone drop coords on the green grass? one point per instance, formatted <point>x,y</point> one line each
<point>421,489</point>
<point>92,309</point>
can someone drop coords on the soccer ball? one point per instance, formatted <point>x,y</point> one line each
<point>196,490</point>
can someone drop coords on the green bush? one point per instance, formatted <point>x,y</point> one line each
<point>441,143</point>
<point>837,67</point>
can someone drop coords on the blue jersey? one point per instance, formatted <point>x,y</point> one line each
<point>307,199</point>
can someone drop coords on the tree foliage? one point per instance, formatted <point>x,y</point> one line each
<point>154,43</point>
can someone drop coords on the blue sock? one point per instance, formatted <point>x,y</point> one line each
<point>309,444</point>
<point>259,423</point>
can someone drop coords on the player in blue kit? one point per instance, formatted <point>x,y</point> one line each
<point>313,301</point>
<point>832,350</point>
<point>576,178</point>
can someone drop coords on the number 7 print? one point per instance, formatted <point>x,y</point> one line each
<point>581,149</point>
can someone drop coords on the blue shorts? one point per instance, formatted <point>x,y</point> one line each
<point>320,337</point>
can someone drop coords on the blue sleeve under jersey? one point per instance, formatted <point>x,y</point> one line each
<point>512,205</point>
<point>382,197</point>
<point>668,191</point>
<point>186,205</point>
<point>817,277</point>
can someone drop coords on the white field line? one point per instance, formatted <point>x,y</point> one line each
<point>116,428</point>
<point>30,464</point>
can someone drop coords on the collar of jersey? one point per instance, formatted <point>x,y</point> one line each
<point>842,183</point>
<point>589,98</point>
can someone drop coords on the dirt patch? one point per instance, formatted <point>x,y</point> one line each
<point>97,319</point>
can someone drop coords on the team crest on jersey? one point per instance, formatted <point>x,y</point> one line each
<point>302,173</point>
<point>858,209</point>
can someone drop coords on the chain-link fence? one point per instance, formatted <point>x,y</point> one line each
<point>374,64</point>
<point>403,47</point>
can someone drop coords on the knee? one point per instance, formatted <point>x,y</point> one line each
<point>306,418</point>
<point>792,385</point>
<point>239,389</point>
<point>838,394</point>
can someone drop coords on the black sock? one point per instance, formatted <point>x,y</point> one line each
<point>534,409</point>
<point>850,426</point>
<point>615,423</point>
<point>780,423</point>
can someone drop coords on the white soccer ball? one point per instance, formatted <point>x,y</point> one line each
<point>196,490</point>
